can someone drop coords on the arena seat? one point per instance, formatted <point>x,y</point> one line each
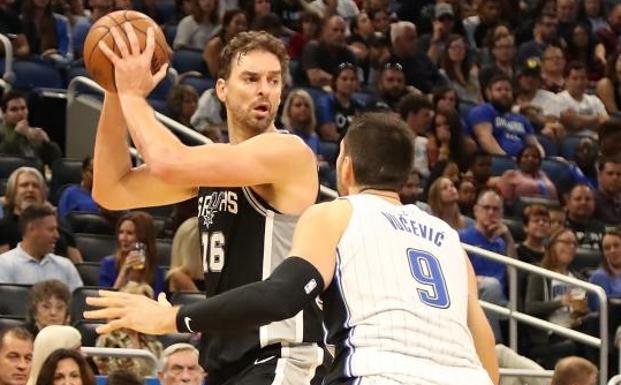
<point>586,260</point>
<point>164,249</point>
<point>9,163</point>
<point>94,247</point>
<point>185,60</point>
<point>167,11</point>
<point>569,144</point>
<point>90,223</point>
<point>87,330</point>
<point>78,301</point>
<point>31,74</point>
<point>11,322</point>
<point>64,171</point>
<point>199,83</point>
<point>516,227</point>
<point>502,163</point>
<point>557,170</point>
<point>89,272</point>
<point>549,146</point>
<point>170,31</point>
<point>14,299</point>
<point>174,338</point>
<point>3,183</point>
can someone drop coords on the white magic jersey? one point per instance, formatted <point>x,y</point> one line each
<point>397,307</point>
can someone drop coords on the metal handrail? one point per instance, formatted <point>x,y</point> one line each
<point>510,372</point>
<point>8,76</point>
<point>122,352</point>
<point>601,342</point>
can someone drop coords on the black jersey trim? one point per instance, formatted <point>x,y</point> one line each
<point>254,202</point>
<point>350,347</point>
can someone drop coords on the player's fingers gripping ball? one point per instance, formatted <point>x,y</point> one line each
<point>99,66</point>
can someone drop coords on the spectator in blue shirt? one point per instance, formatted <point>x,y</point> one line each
<point>497,130</point>
<point>490,233</point>
<point>78,197</point>
<point>608,276</point>
<point>126,264</point>
<point>98,9</point>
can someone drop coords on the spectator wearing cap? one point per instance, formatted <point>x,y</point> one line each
<point>335,111</point>
<point>609,35</point>
<point>539,106</point>
<point>434,44</point>
<point>608,195</point>
<point>391,88</point>
<point>498,130</point>
<point>608,89</point>
<point>321,58</point>
<point>544,33</point>
<point>419,71</point>
<point>580,112</point>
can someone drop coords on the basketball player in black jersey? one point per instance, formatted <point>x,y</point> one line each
<point>342,251</point>
<point>250,193</point>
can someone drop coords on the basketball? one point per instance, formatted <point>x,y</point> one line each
<point>96,62</point>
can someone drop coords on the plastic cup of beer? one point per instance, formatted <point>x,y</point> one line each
<point>141,250</point>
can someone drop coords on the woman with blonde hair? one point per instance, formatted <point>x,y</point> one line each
<point>49,339</point>
<point>186,267</point>
<point>299,117</point>
<point>444,202</point>
<point>129,339</point>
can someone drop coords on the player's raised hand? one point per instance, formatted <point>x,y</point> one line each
<point>132,68</point>
<point>132,311</point>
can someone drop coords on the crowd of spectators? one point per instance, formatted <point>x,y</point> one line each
<point>499,96</point>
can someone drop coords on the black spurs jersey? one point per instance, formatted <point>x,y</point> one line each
<point>242,241</point>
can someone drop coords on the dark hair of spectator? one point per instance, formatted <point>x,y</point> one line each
<point>33,213</point>
<point>199,15</point>
<point>439,92</point>
<point>246,42</point>
<point>46,30</point>
<point>550,260</point>
<point>527,147</point>
<point>269,23</point>
<point>614,232</point>
<point>603,11</point>
<point>381,150</point>
<point>46,375</point>
<point>227,18</point>
<point>447,63</point>
<point>44,290</point>
<point>145,232</point>
<point>86,162</point>
<point>123,377</point>
<point>17,332</point>
<point>604,160</point>
<point>535,211</point>
<point>499,77</point>
<point>456,143</point>
<point>174,101</point>
<point>412,103</point>
<point>11,95</point>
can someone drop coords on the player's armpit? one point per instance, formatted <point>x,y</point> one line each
<point>318,233</point>
<point>480,329</point>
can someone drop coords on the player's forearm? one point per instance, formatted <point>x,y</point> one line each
<point>292,285</point>
<point>111,160</point>
<point>157,145</point>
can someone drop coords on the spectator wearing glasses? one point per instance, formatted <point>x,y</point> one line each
<point>502,49</point>
<point>460,73</point>
<point>391,88</point>
<point>443,24</point>
<point>536,220</point>
<point>552,67</point>
<point>544,33</point>
<point>490,233</point>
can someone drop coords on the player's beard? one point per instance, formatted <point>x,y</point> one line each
<point>244,119</point>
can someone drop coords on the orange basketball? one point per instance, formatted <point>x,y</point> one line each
<point>96,62</point>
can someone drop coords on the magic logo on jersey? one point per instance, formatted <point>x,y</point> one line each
<point>217,201</point>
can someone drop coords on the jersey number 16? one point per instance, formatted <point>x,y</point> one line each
<point>213,251</point>
<point>426,270</point>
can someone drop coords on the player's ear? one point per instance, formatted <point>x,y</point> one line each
<point>347,169</point>
<point>221,89</point>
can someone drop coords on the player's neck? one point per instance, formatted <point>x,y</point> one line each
<point>389,195</point>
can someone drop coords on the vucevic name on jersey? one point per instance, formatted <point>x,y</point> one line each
<point>242,241</point>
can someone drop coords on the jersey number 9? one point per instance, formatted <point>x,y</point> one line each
<point>426,270</point>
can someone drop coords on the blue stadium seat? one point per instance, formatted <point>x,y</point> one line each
<point>64,171</point>
<point>31,74</point>
<point>161,90</point>
<point>9,163</point>
<point>200,83</point>
<point>167,10</point>
<point>557,170</point>
<point>170,31</point>
<point>185,60</point>
<point>549,146</point>
<point>569,144</point>
<point>159,105</point>
<point>502,163</point>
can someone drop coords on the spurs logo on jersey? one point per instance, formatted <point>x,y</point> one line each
<point>208,205</point>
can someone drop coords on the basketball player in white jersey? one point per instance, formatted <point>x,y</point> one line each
<point>399,294</point>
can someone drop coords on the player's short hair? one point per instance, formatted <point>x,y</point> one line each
<point>245,42</point>
<point>572,370</point>
<point>380,147</point>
